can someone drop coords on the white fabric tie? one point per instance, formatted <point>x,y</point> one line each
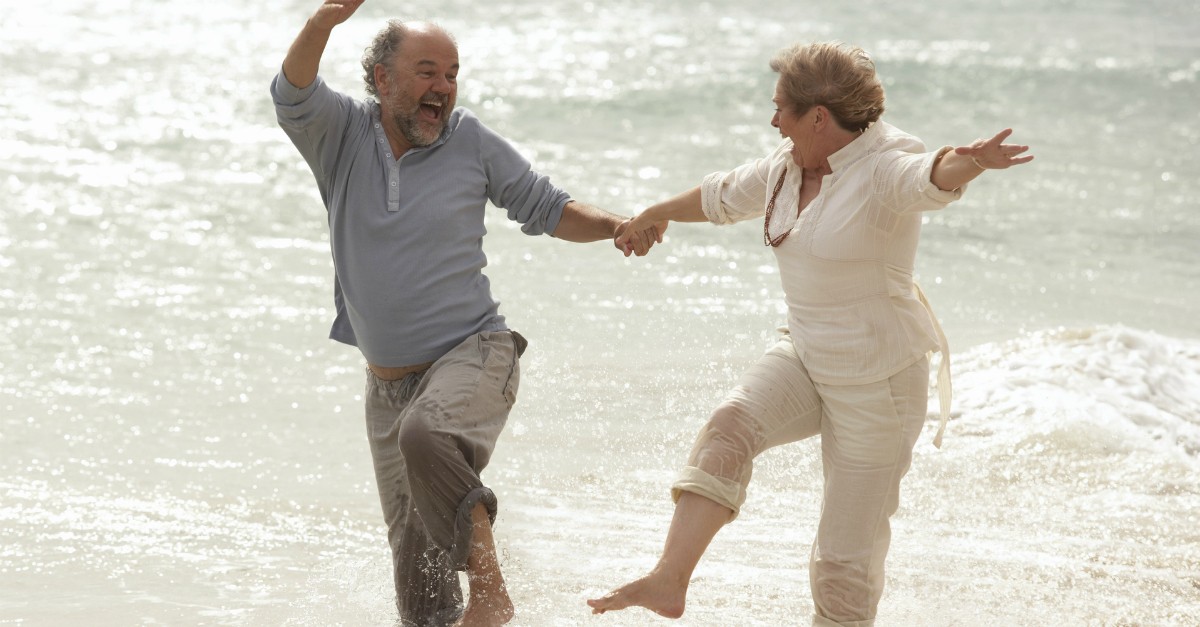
<point>945,393</point>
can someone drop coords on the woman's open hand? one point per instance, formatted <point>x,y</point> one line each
<point>994,154</point>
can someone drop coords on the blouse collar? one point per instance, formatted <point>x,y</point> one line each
<point>856,149</point>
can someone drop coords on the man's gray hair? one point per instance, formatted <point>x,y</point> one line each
<point>382,49</point>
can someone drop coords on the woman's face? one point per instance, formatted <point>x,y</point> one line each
<point>798,128</point>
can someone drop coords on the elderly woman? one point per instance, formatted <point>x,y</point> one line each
<point>842,197</point>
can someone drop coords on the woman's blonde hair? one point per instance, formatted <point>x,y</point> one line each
<point>839,76</point>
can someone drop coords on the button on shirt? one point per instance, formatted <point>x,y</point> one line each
<point>407,233</point>
<point>854,312</point>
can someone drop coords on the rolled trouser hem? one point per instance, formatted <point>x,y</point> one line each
<point>441,618</point>
<point>821,621</point>
<point>721,491</point>
<point>464,527</point>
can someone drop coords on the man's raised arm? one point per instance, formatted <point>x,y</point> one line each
<point>304,57</point>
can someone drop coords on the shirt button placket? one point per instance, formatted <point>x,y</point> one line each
<point>393,192</point>
<point>393,187</point>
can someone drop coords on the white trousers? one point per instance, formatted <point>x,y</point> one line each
<point>867,436</point>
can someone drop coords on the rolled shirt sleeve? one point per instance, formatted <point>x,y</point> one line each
<point>903,182</point>
<point>528,196</point>
<point>315,118</point>
<point>741,194</point>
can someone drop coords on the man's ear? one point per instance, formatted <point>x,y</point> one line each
<point>381,80</point>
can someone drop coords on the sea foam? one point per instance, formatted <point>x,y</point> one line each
<point>1108,388</point>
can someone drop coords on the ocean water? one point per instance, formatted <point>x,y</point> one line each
<point>181,445</point>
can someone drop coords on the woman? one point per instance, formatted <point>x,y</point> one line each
<point>842,197</point>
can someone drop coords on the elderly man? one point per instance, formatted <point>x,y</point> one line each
<point>405,180</point>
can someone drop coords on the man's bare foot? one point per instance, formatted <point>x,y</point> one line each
<point>657,592</point>
<point>489,604</point>
<point>487,611</point>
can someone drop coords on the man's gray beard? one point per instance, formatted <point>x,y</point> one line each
<point>416,135</point>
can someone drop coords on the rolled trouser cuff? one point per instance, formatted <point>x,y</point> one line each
<point>724,492</point>
<point>464,527</point>
<point>821,621</point>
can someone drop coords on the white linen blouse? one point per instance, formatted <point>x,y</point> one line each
<point>854,312</point>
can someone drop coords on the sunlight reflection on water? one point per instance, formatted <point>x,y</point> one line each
<point>179,444</point>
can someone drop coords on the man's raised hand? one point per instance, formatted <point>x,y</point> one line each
<point>334,12</point>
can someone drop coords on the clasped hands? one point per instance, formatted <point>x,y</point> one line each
<point>639,234</point>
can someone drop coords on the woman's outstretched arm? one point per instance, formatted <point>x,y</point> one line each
<point>682,208</point>
<point>965,163</point>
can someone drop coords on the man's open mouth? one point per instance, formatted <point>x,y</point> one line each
<point>431,110</point>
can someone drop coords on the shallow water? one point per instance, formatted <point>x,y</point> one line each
<point>180,444</point>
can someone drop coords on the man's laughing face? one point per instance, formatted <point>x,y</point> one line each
<point>422,86</point>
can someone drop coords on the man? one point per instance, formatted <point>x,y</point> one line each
<point>405,181</point>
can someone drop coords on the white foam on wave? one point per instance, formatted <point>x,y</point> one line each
<point>1107,389</point>
<point>1067,488</point>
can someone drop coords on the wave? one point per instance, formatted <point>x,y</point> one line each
<point>1108,388</point>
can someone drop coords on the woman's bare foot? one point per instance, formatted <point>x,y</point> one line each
<point>658,592</point>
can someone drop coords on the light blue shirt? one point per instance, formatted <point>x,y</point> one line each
<point>407,234</point>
